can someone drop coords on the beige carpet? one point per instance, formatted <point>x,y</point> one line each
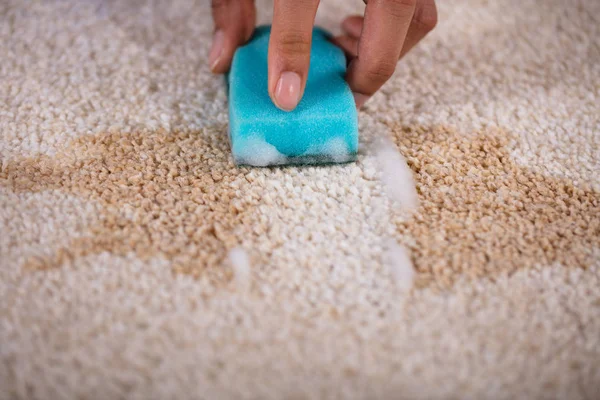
<point>138,262</point>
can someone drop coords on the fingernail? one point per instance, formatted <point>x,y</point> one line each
<point>287,91</point>
<point>360,99</point>
<point>216,50</point>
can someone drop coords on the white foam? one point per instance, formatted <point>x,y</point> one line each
<point>257,152</point>
<point>397,259</point>
<point>337,149</point>
<point>396,175</point>
<point>240,265</point>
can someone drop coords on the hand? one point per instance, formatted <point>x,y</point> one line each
<point>375,42</point>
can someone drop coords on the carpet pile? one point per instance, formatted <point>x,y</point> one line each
<point>136,261</point>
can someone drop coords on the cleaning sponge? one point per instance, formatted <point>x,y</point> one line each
<point>323,128</point>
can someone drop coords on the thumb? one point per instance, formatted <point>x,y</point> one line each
<point>234,23</point>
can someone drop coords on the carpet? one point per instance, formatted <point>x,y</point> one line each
<point>458,258</point>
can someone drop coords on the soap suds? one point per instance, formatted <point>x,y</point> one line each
<point>334,150</point>
<point>240,265</point>
<point>396,175</point>
<point>337,149</point>
<point>257,152</point>
<point>397,259</point>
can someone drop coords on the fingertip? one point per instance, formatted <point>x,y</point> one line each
<point>235,23</point>
<point>289,50</point>
<point>353,19</point>
<point>288,66</point>
<point>347,43</point>
<point>353,25</point>
<point>359,90</point>
<point>360,99</point>
<point>288,91</point>
<point>217,48</point>
<point>221,65</point>
<point>220,68</point>
<point>222,51</point>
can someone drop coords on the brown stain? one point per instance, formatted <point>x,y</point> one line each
<point>177,195</point>
<point>163,193</point>
<point>483,215</point>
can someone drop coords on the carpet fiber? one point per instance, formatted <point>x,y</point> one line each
<point>459,257</point>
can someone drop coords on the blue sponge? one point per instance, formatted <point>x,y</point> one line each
<point>323,128</point>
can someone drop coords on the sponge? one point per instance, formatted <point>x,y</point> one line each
<point>323,128</point>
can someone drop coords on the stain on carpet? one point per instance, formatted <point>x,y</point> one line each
<point>173,194</point>
<point>176,194</point>
<point>481,214</point>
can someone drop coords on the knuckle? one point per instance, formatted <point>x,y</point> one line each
<point>400,7</point>
<point>403,3</point>
<point>426,17</point>
<point>292,43</point>
<point>307,3</point>
<point>379,72</point>
<point>218,5</point>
